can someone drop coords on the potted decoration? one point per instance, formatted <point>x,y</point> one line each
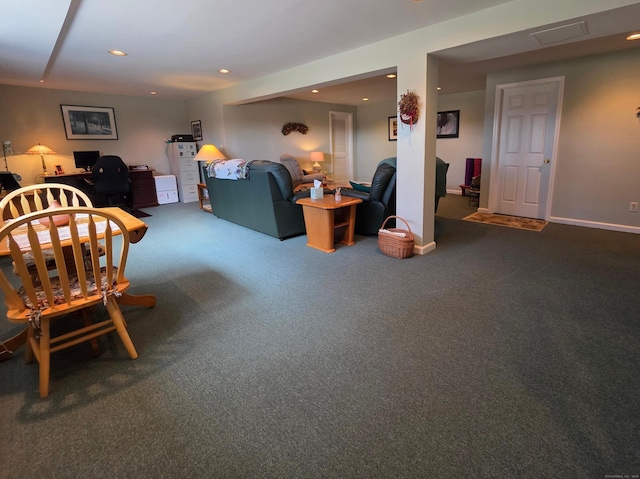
<point>409,108</point>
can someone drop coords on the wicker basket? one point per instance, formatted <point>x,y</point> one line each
<point>396,246</point>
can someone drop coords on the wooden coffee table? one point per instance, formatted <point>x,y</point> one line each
<point>328,221</point>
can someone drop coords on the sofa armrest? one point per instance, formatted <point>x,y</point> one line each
<point>312,176</point>
<point>364,196</point>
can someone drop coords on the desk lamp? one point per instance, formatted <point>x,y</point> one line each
<point>316,157</point>
<point>41,150</point>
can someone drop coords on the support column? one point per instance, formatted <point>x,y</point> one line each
<point>416,150</point>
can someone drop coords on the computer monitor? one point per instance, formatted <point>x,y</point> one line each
<point>8,182</point>
<point>86,159</point>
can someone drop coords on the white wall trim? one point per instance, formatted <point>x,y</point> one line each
<point>595,224</point>
<point>428,248</point>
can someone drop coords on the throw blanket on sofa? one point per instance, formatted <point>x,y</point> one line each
<point>228,169</point>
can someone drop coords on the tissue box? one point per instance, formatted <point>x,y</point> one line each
<point>317,193</point>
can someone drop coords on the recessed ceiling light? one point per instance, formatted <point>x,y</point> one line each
<point>315,91</point>
<point>118,53</point>
<point>439,88</point>
<point>365,99</point>
<point>391,75</point>
<point>224,70</point>
<point>634,36</point>
<point>153,92</point>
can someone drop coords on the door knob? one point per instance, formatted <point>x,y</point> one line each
<point>547,160</point>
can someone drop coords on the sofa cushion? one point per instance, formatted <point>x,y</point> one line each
<point>292,165</point>
<point>280,175</point>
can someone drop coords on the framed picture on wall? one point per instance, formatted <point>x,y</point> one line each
<point>448,124</point>
<point>393,128</point>
<point>89,122</point>
<point>196,130</point>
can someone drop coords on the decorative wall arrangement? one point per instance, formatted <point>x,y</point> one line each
<point>409,108</point>
<point>299,127</point>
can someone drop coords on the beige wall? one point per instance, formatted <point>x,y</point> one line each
<point>455,151</point>
<point>254,131</point>
<point>373,138</point>
<point>598,163</point>
<point>32,115</point>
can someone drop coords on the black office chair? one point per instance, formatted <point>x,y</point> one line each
<point>111,185</point>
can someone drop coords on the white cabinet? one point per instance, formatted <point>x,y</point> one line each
<point>166,189</point>
<point>185,169</point>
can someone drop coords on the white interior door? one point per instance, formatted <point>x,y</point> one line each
<point>526,148</point>
<point>341,144</point>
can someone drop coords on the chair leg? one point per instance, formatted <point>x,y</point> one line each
<point>28,350</point>
<point>86,315</point>
<point>118,321</point>
<point>45,356</point>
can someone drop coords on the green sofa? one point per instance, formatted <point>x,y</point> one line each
<point>264,202</point>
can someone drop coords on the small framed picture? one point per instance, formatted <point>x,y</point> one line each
<point>196,130</point>
<point>448,124</point>
<point>393,128</point>
<point>59,170</point>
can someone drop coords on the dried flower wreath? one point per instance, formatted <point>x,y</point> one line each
<point>299,127</point>
<point>409,108</point>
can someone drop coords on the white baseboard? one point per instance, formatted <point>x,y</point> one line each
<point>595,224</point>
<point>420,250</point>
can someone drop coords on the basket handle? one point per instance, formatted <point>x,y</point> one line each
<point>398,217</point>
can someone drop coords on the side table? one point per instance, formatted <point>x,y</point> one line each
<point>203,198</point>
<point>328,221</point>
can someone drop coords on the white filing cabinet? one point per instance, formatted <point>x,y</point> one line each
<point>166,189</point>
<point>185,169</point>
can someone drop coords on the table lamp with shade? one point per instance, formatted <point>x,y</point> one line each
<point>41,150</point>
<point>208,153</point>
<point>316,157</point>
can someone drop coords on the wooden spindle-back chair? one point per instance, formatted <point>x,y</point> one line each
<point>72,286</point>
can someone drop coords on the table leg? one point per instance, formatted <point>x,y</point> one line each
<point>348,237</point>
<point>319,226</point>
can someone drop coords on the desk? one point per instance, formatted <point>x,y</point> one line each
<point>327,221</point>
<point>143,186</point>
<point>137,230</point>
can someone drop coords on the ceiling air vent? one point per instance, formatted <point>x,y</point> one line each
<point>561,34</point>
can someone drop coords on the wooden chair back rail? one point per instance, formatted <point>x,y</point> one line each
<point>70,288</point>
<point>29,199</point>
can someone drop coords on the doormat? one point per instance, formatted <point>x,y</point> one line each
<point>509,221</point>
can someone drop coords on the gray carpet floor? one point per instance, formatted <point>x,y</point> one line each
<point>502,354</point>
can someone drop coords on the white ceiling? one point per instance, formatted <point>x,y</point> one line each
<point>176,48</point>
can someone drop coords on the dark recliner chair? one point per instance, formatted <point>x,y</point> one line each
<point>379,202</point>
<point>110,182</point>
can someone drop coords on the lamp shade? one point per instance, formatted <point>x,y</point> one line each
<point>40,150</point>
<point>317,156</point>
<point>209,153</point>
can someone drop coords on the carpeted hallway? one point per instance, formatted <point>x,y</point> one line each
<point>503,353</point>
